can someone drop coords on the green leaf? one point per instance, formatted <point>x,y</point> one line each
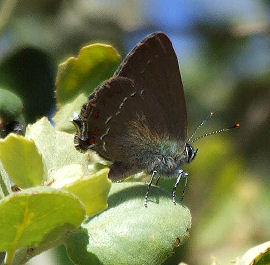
<point>92,190</point>
<point>129,233</point>
<point>65,114</point>
<point>10,106</point>
<point>36,216</point>
<point>70,169</point>
<point>30,73</point>
<point>5,186</point>
<point>22,161</point>
<point>83,74</point>
<point>259,255</point>
<point>57,147</point>
<point>78,77</point>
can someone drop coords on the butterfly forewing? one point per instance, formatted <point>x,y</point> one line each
<point>153,66</point>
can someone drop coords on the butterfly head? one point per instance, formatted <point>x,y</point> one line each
<point>190,153</point>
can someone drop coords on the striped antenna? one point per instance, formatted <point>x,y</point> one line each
<point>211,114</point>
<point>236,125</point>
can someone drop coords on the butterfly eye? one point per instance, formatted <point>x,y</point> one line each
<point>190,153</point>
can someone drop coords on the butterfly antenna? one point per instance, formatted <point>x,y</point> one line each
<point>211,114</point>
<point>236,125</point>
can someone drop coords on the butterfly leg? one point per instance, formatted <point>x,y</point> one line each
<point>149,186</point>
<point>176,184</point>
<point>185,175</point>
<point>181,175</point>
<point>157,180</point>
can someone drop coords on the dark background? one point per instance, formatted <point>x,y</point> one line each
<point>223,49</point>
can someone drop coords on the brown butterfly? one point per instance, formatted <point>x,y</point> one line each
<point>138,118</point>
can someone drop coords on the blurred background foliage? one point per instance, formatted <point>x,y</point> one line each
<point>224,52</point>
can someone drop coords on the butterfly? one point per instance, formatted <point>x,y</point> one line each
<point>137,119</point>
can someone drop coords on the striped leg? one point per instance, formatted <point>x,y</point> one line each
<point>181,175</point>
<point>149,186</point>
<point>185,175</point>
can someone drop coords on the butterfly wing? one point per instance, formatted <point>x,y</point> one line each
<point>103,107</point>
<point>153,66</point>
<point>143,103</point>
